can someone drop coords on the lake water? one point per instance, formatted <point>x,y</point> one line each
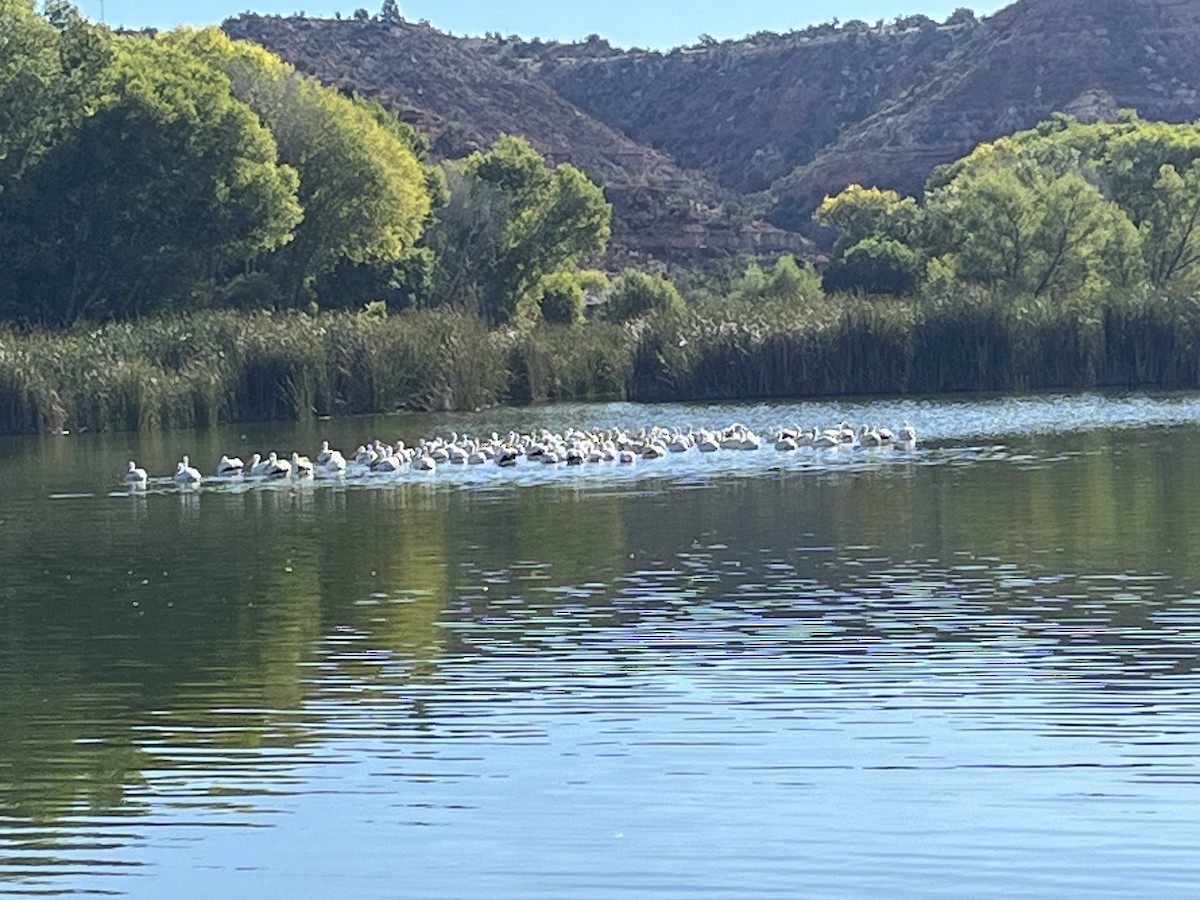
<point>967,670</point>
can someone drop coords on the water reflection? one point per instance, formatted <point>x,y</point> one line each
<point>749,658</point>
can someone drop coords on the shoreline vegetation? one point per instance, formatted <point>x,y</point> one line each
<point>196,233</point>
<point>205,368</point>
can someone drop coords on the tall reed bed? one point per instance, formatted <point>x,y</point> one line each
<point>557,362</point>
<point>204,368</point>
<point>963,340</point>
<point>200,369</point>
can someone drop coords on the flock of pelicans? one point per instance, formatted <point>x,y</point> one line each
<point>574,447</point>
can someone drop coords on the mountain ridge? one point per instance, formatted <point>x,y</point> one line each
<point>727,147</point>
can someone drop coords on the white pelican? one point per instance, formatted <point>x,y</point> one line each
<point>134,475</point>
<point>275,467</point>
<point>907,434</point>
<point>228,467</point>
<point>869,437</point>
<point>333,464</point>
<point>302,466</point>
<point>387,462</point>
<point>423,463</point>
<point>186,473</point>
<point>654,450</point>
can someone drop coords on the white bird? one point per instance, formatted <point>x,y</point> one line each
<point>275,467</point>
<point>229,467</point>
<point>333,463</point>
<point>135,476</point>
<point>302,466</point>
<point>186,473</point>
<point>387,462</point>
<point>907,434</point>
<point>869,437</point>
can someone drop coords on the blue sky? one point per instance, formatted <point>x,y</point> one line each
<point>646,23</point>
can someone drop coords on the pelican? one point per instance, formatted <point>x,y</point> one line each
<point>228,467</point>
<point>907,434</point>
<point>325,455</point>
<point>387,462</point>
<point>275,467</point>
<point>654,450</point>
<point>333,463</point>
<point>186,473</point>
<point>424,463</point>
<point>135,476</point>
<point>302,466</point>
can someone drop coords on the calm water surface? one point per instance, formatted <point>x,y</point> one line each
<point>969,670</point>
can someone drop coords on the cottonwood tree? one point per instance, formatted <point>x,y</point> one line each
<point>364,193</point>
<point>162,184</point>
<point>510,221</point>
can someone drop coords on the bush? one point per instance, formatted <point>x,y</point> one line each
<point>875,266</point>
<point>560,298</point>
<point>636,293</point>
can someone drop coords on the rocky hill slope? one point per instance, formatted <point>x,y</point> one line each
<point>463,101</point>
<point>690,143</point>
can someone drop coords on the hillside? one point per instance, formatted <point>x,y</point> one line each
<point>689,143</point>
<point>463,101</point>
<point>801,115</point>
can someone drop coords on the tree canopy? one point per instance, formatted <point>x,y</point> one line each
<point>512,220</point>
<point>163,182</point>
<point>1059,209</point>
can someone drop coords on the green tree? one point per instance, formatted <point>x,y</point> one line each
<point>511,220</point>
<point>1022,228</point>
<point>635,293</point>
<point>786,280</point>
<point>364,193</point>
<point>559,296</point>
<point>50,73</point>
<point>1141,166</point>
<point>29,70</point>
<point>163,186</point>
<point>875,265</point>
<point>859,212</point>
<point>1170,230</point>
